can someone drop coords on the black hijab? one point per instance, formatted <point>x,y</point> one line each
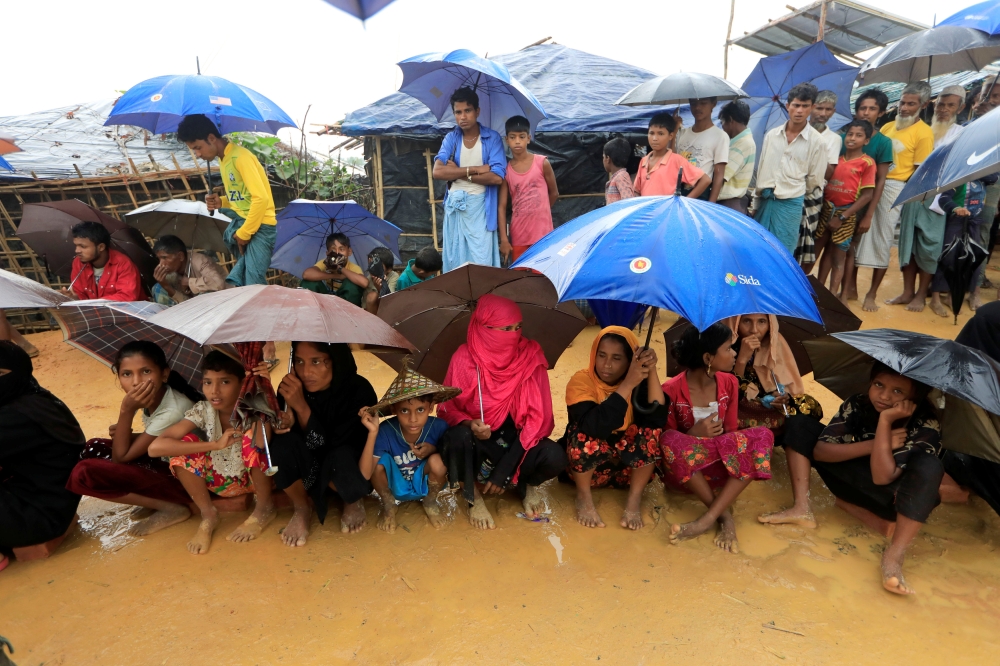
<point>337,406</point>
<point>982,332</point>
<point>20,391</point>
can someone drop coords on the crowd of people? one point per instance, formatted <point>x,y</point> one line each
<point>708,431</point>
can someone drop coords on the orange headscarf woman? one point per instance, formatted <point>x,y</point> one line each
<point>616,411</point>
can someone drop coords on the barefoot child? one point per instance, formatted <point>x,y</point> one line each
<point>531,185</point>
<point>227,463</point>
<point>120,469</point>
<point>401,455</point>
<point>659,169</point>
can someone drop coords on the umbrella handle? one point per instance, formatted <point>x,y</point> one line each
<point>677,192</point>
<point>271,469</point>
<point>651,407</point>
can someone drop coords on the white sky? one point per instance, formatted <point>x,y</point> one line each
<point>302,52</point>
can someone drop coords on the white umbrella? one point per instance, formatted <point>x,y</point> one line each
<point>17,291</point>
<point>190,221</point>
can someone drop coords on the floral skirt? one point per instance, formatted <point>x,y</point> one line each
<point>612,461</point>
<point>200,464</point>
<point>741,454</point>
<point>752,413</point>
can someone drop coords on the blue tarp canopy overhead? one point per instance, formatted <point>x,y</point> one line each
<point>578,91</point>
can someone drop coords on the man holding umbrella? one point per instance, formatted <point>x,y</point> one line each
<point>472,160</point>
<point>99,271</point>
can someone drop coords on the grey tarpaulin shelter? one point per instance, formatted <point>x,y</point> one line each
<point>578,91</point>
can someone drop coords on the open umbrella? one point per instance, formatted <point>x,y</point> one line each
<point>434,314</point>
<point>837,318</point>
<point>932,52</point>
<point>842,362</point>
<point>190,221</point>
<point>983,16</point>
<point>959,262</point>
<point>703,261</point>
<point>362,9</point>
<point>272,312</point>
<point>46,228</point>
<point>304,225</point>
<point>772,78</point>
<point>679,88</point>
<point>433,77</point>
<point>7,146</point>
<point>17,291</point>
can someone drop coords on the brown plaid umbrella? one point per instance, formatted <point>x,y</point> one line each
<point>99,328</point>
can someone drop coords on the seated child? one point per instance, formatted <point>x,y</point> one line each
<point>226,463</point>
<point>337,274</point>
<point>659,169</point>
<point>530,183</point>
<point>848,193</point>
<point>401,455</point>
<point>423,267</point>
<point>383,279</point>
<point>619,186</point>
<point>119,469</point>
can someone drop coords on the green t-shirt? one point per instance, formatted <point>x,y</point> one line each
<point>879,148</point>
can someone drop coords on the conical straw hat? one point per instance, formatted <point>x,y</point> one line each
<point>411,384</point>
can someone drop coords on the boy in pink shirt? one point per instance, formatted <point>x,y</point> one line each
<point>530,183</point>
<point>658,170</point>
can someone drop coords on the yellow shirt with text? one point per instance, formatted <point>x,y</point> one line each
<point>248,191</point>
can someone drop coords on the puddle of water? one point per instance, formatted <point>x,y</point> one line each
<point>557,544</point>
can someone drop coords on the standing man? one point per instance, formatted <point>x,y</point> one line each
<point>948,105</point>
<point>823,110</point>
<point>735,117</point>
<point>705,145</point>
<point>912,141</point>
<point>472,160</point>
<point>793,161</point>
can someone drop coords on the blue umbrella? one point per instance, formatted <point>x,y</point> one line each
<point>433,77</point>
<point>362,9</point>
<point>772,78</point>
<point>983,16</point>
<point>159,105</point>
<point>700,260</point>
<point>974,153</point>
<point>304,225</point>
<point>4,164</point>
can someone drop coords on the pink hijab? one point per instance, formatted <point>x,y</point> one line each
<point>774,356</point>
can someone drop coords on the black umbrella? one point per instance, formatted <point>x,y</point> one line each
<point>679,88</point>
<point>959,262</point>
<point>932,52</point>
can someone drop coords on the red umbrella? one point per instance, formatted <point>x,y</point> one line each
<point>46,229</point>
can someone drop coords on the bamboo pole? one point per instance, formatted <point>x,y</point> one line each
<point>93,201</point>
<point>187,185</point>
<point>430,198</point>
<point>379,191</point>
<point>729,32</point>
<point>821,30</point>
<point>139,176</point>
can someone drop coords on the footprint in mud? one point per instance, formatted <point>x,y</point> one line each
<point>877,548</point>
<point>844,546</point>
<point>857,531</point>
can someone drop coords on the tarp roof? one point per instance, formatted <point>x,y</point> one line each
<point>577,89</point>
<point>938,83</point>
<point>54,140</point>
<point>851,28</point>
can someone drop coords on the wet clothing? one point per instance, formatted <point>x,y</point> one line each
<point>531,213</point>
<point>405,471</point>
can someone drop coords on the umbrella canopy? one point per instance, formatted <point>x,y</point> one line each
<point>99,328</point>
<point>47,229</point>
<point>7,144</point>
<point>837,318</point>
<point>159,104</point>
<point>679,88</point>
<point>772,78</point>
<point>921,55</point>
<point>304,225</point>
<point>959,262</point>
<point>4,164</point>
<point>17,291</point>
<point>983,16</point>
<point>972,154</point>
<point>433,77</point>
<point>703,261</point>
<point>190,221</point>
<point>362,9</point>
<point>434,314</point>
<point>272,312</point>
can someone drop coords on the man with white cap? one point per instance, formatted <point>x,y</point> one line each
<point>949,104</point>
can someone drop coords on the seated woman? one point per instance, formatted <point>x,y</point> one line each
<point>119,469</point>
<point>40,442</point>
<point>322,438</point>
<point>772,395</point>
<point>609,440</point>
<point>226,463</point>
<point>880,457</point>
<point>702,447</point>
<point>501,422</point>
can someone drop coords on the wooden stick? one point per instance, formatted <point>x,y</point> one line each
<point>430,199</point>
<point>187,185</point>
<point>767,625</point>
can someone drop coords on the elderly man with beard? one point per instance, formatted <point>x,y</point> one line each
<point>912,141</point>
<point>949,104</point>
<point>182,274</point>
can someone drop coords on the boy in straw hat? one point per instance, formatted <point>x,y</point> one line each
<point>400,457</point>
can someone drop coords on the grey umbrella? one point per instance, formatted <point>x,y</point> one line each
<point>679,88</point>
<point>932,52</point>
<point>188,220</point>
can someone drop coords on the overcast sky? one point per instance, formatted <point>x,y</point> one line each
<point>302,52</point>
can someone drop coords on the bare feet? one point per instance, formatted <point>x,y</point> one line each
<point>431,507</point>
<point>480,516</point>
<point>140,513</point>
<point>793,516</point>
<point>869,305</point>
<point>892,572</point>
<point>938,308</point>
<point>975,302</point>
<point>387,518</point>
<point>296,532</point>
<point>354,518</point>
<point>690,530</point>
<point>632,515</point>
<point>160,520</point>
<point>254,525</point>
<point>586,512</point>
<point>852,295</point>
<point>916,304</point>
<point>533,502</point>
<point>198,545</point>
<point>843,300</point>
<point>725,537</point>
<point>900,300</point>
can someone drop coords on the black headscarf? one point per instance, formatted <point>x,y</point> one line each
<point>19,390</point>
<point>982,332</point>
<point>337,406</point>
